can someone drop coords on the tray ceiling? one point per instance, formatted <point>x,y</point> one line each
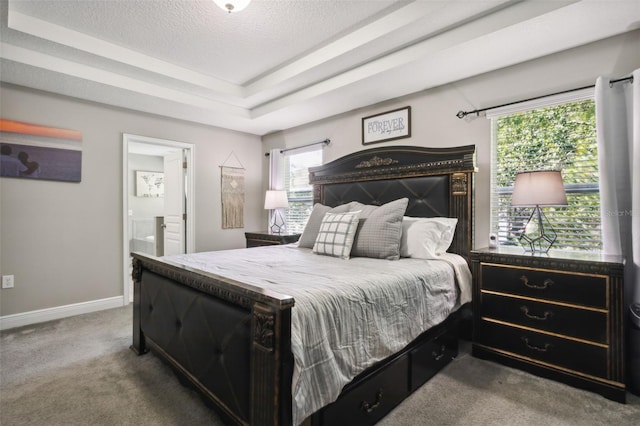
<point>278,64</point>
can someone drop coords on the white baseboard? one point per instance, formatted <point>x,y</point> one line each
<point>58,312</point>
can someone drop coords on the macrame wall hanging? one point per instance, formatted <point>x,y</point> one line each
<point>232,190</point>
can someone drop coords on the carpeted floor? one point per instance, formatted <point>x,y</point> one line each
<point>80,371</point>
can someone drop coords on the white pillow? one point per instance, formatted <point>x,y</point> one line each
<point>336,234</point>
<point>426,238</point>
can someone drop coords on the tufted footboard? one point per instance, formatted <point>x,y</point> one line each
<point>228,339</point>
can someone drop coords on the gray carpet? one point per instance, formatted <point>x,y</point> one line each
<point>80,371</point>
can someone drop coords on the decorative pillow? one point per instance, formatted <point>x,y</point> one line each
<point>380,230</point>
<point>335,237</point>
<point>310,233</point>
<point>426,238</point>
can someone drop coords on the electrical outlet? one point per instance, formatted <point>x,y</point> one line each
<point>7,281</point>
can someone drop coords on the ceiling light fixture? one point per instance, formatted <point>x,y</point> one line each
<point>232,5</point>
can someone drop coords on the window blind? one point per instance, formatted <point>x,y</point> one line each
<point>299,191</point>
<point>558,137</point>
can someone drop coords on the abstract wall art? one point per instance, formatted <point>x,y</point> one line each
<point>33,151</point>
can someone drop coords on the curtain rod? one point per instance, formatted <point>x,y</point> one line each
<point>326,142</point>
<point>462,114</point>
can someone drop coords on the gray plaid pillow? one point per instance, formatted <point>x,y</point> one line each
<point>336,233</point>
<point>380,230</point>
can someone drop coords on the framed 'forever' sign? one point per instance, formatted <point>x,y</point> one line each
<point>387,126</point>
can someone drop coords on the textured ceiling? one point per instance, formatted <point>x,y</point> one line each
<point>278,64</point>
<point>199,36</point>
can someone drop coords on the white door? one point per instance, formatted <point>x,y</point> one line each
<point>174,204</point>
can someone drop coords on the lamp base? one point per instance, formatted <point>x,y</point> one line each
<point>538,235</point>
<point>278,225</point>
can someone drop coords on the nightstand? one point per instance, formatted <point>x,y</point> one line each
<point>557,315</point>
<point>264,238</point>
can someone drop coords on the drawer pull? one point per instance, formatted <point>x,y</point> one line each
<point>438,356</point>
<point>546,316</point>
<point>545,284</point>
<point>546,347</point>
<point>368,407</point>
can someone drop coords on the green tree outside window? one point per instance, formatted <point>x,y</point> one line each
<point>561,137</point>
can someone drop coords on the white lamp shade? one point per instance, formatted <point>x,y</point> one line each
<point>539,188</point>
<point>275,200</point>
<point>232,5</point>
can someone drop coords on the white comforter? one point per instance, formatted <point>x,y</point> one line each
<point>348,314</point>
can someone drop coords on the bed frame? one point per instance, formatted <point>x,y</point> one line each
<point>232,341</point>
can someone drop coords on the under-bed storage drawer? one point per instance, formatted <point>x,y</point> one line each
<point>430,358</point>
<point>373,398</point>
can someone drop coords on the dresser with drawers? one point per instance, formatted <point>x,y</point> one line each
<point>557,315</point>
<point>265,238</point>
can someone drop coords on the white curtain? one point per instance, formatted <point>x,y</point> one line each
<point>276,169</point>
<point>618,130</point>
<point>276,175</point>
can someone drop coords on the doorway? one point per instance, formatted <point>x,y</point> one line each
<point>158,200</point>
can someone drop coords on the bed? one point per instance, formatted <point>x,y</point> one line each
<point>234,334</point>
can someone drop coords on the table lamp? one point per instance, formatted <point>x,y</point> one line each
<point>535,189</point>
<point>276,200</point>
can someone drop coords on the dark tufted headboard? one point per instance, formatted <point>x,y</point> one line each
<point>437,181</point>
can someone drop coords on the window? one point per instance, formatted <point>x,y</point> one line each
<point>299,191</point>
<point>555,137</point>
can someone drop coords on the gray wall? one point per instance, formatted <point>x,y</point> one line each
<point>433,112</point>
<point>63,241</point>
